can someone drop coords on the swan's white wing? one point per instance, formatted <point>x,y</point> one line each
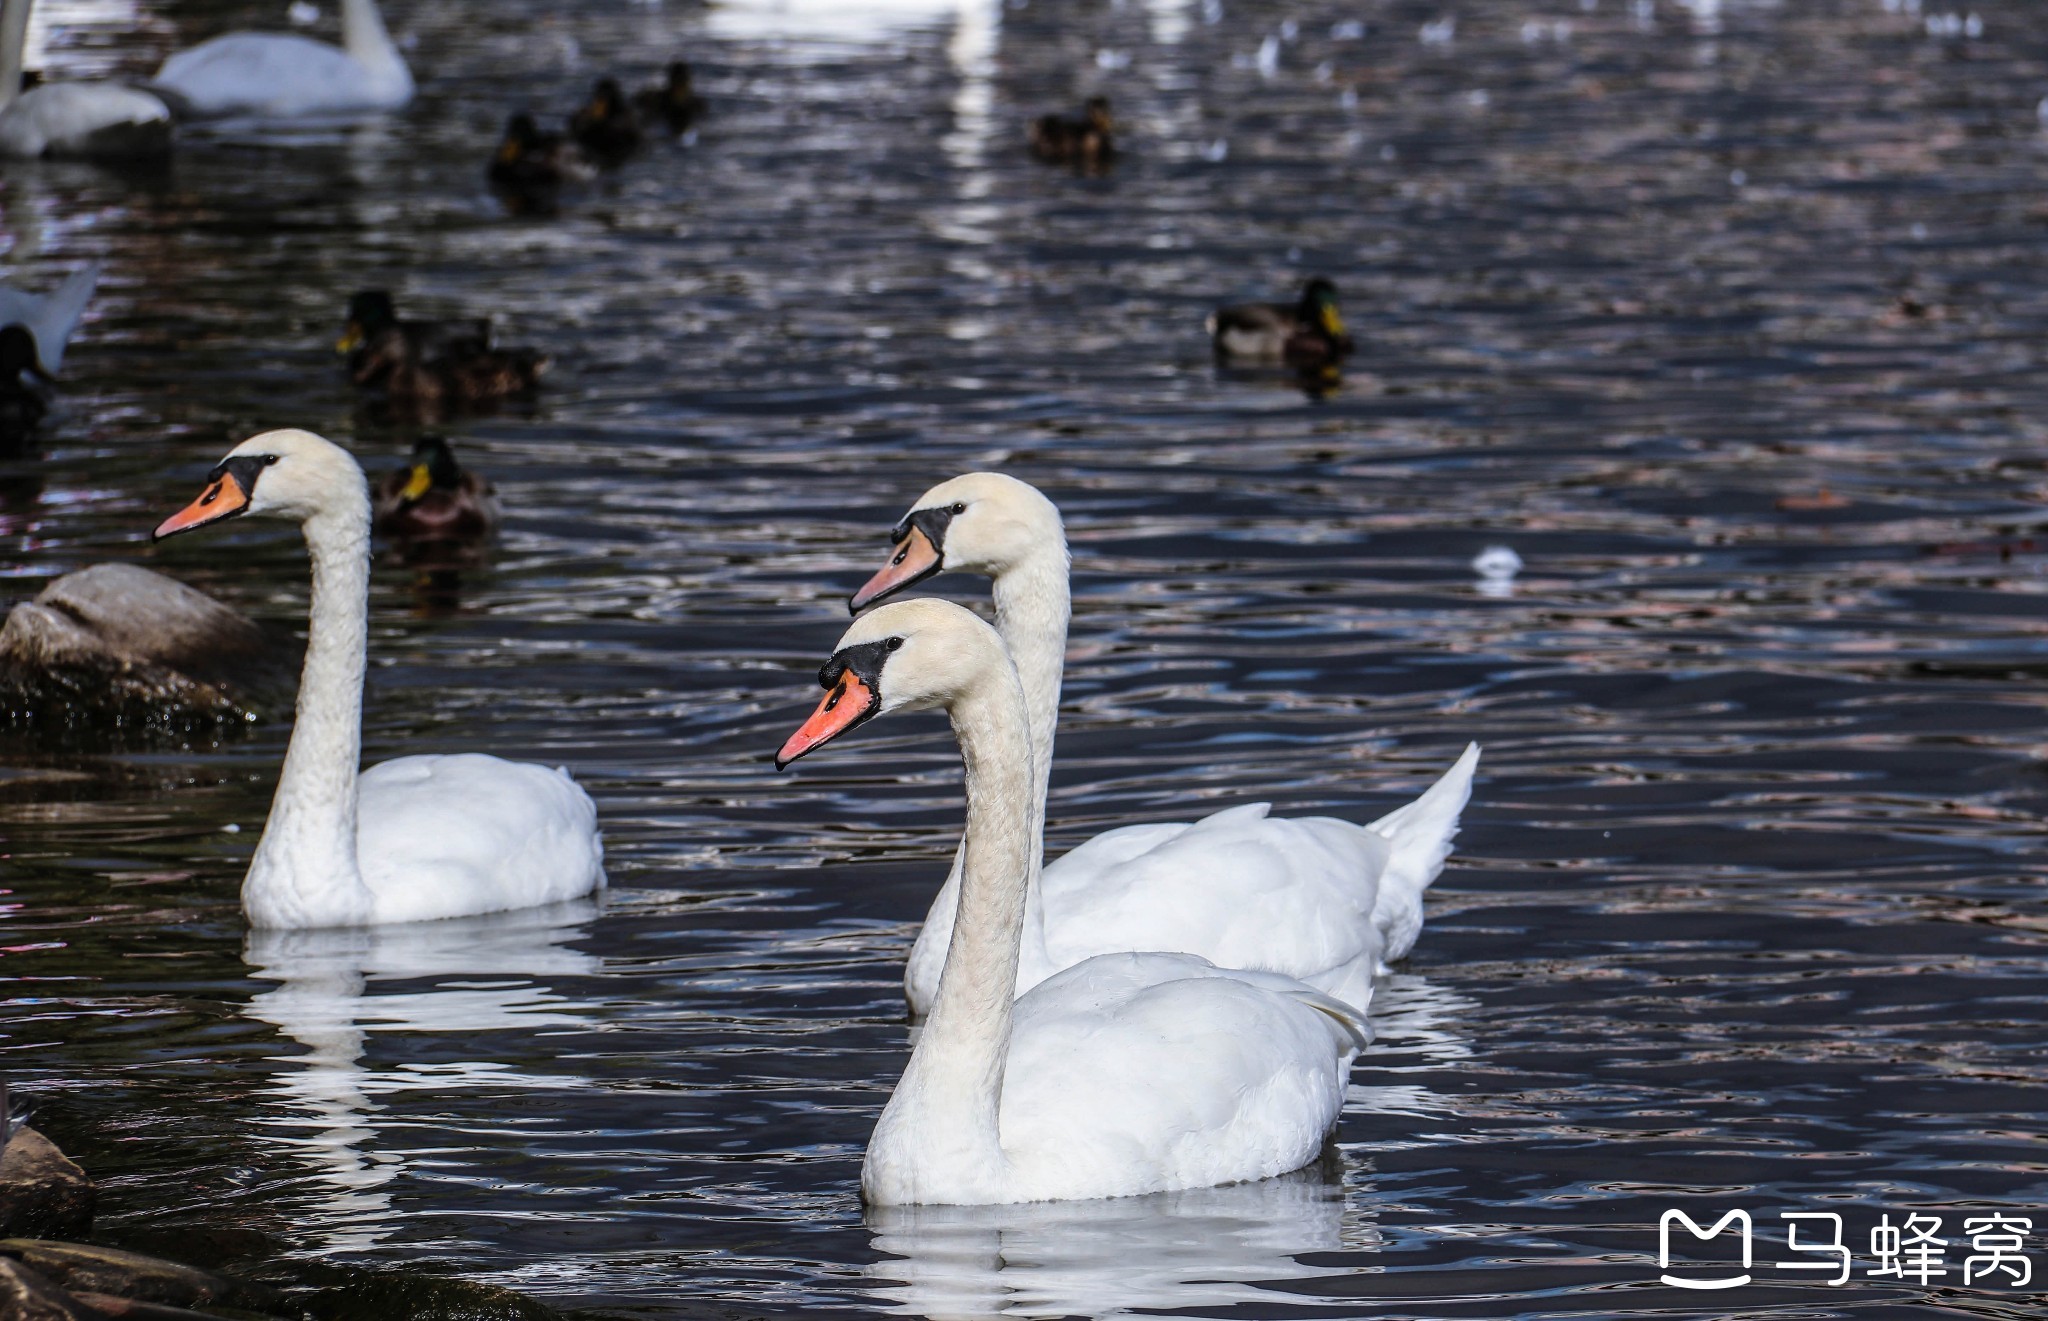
<point>83,119</point>
<point>1239,888</point>
<point>274,74</point>
<point>1419,836</point>
<point>446,836</point>
<point>1131,1073</point>
<point>53,316</point>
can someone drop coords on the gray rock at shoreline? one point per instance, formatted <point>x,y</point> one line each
<point>41,1190</point>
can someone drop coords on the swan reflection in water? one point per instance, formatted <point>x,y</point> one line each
<point>1166,1254</point>
<point>494,973</point>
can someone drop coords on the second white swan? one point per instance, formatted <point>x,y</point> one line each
<point>1336,901</point>
<point>411,839</point>
<point>281,75</point>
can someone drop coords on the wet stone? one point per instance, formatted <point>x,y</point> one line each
<point>27,1296</point>
<point>41,1191</point>
<point>85,1267</point>
<point>114,644</point>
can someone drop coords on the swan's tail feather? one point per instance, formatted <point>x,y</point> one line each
<point>1420,834</point>
<point>1350,1019</point>
<point>60,313</point>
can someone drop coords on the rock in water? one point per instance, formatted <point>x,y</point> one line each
<point>114,644</point>
<point>41,1191</point>
<point>87,1267</point>
<point>27,1296</point>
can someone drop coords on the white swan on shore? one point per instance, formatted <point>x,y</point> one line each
<point>411,839</point>
<point>280,75</point>
<point>1337,901</point>
<point>1126,1073</point>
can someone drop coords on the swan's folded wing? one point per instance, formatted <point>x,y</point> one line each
<point>444,835</point>
<point>1241,888</point>
<point>1138,1071</point>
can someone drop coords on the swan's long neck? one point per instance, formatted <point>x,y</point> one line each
<point>13,48</point>
<point>364,36</point>
<point>1032,609</point>
<point>944,1112</point>
<point>305,872</point>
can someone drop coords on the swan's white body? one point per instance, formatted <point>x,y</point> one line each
<point>52,317</point>
<point>70,119</point>
<point>278,75</point>
<point>1126,1073</point>
<point>415,838</point>
<point>1336,902</point>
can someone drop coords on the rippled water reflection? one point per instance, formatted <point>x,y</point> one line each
<point>1726,317</point>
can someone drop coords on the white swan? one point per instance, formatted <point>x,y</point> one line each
<point>1336,901</point>
<point>411,839</point>
<point>50,318</point>
<point>71,119</point>
<point>279,75</point>
<point>1126,1073</point>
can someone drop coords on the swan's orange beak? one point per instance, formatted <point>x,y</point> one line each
<point>915,559</point>
<point>224,497</point>
<point>849,702</point>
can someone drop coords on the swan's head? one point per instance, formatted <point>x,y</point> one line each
<point>283,474</point>
<point>906,656</point>
<point>982,522</point>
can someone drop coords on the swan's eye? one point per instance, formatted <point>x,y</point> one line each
<point>960,507</point>
<point>895,643</point>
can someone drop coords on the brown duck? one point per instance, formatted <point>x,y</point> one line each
<point>433,499</point>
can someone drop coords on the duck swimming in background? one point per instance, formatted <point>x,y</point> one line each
<point>1308,333</point>
<point>432,361</point>
<point>97,119</point>
<point>434,499</point>
<point>412,839</point>
<point>372,316</point>
<point>22,378</point>
<point>532,165</point>
<point>605,125</point>
<point>282,75</point>
<point>1079,139</point>
<point>674,103</point>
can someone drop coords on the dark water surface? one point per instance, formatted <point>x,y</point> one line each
<point>1745,913</point>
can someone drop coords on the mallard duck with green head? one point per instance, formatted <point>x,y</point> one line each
<point>373,316</point>
<point>463,374</point>
<point>1076,139</point>
<point>1306,333</point>
<point>434,499</point>
<point>674,103</point>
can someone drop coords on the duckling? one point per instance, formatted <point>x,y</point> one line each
<point>605,125</point>
<point>372,316</point>
<point>433,499</point>
<point>675,102</point>
<point>1304,334</point>
<point>532,164</point>
<point>1081,139</point>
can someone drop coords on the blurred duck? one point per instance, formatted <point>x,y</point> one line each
<point>1079,139</point>
<point>34,329</point>
<point>531,164</point>
<point>459,375</point>
<point>283,75</point>
<point>372,317</point>
<point>674,103</point>
<point>71,119</point>
<point>1304,334</point>
<point>605,125</point>
<point>413,839</point>
<point>433,499</point>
